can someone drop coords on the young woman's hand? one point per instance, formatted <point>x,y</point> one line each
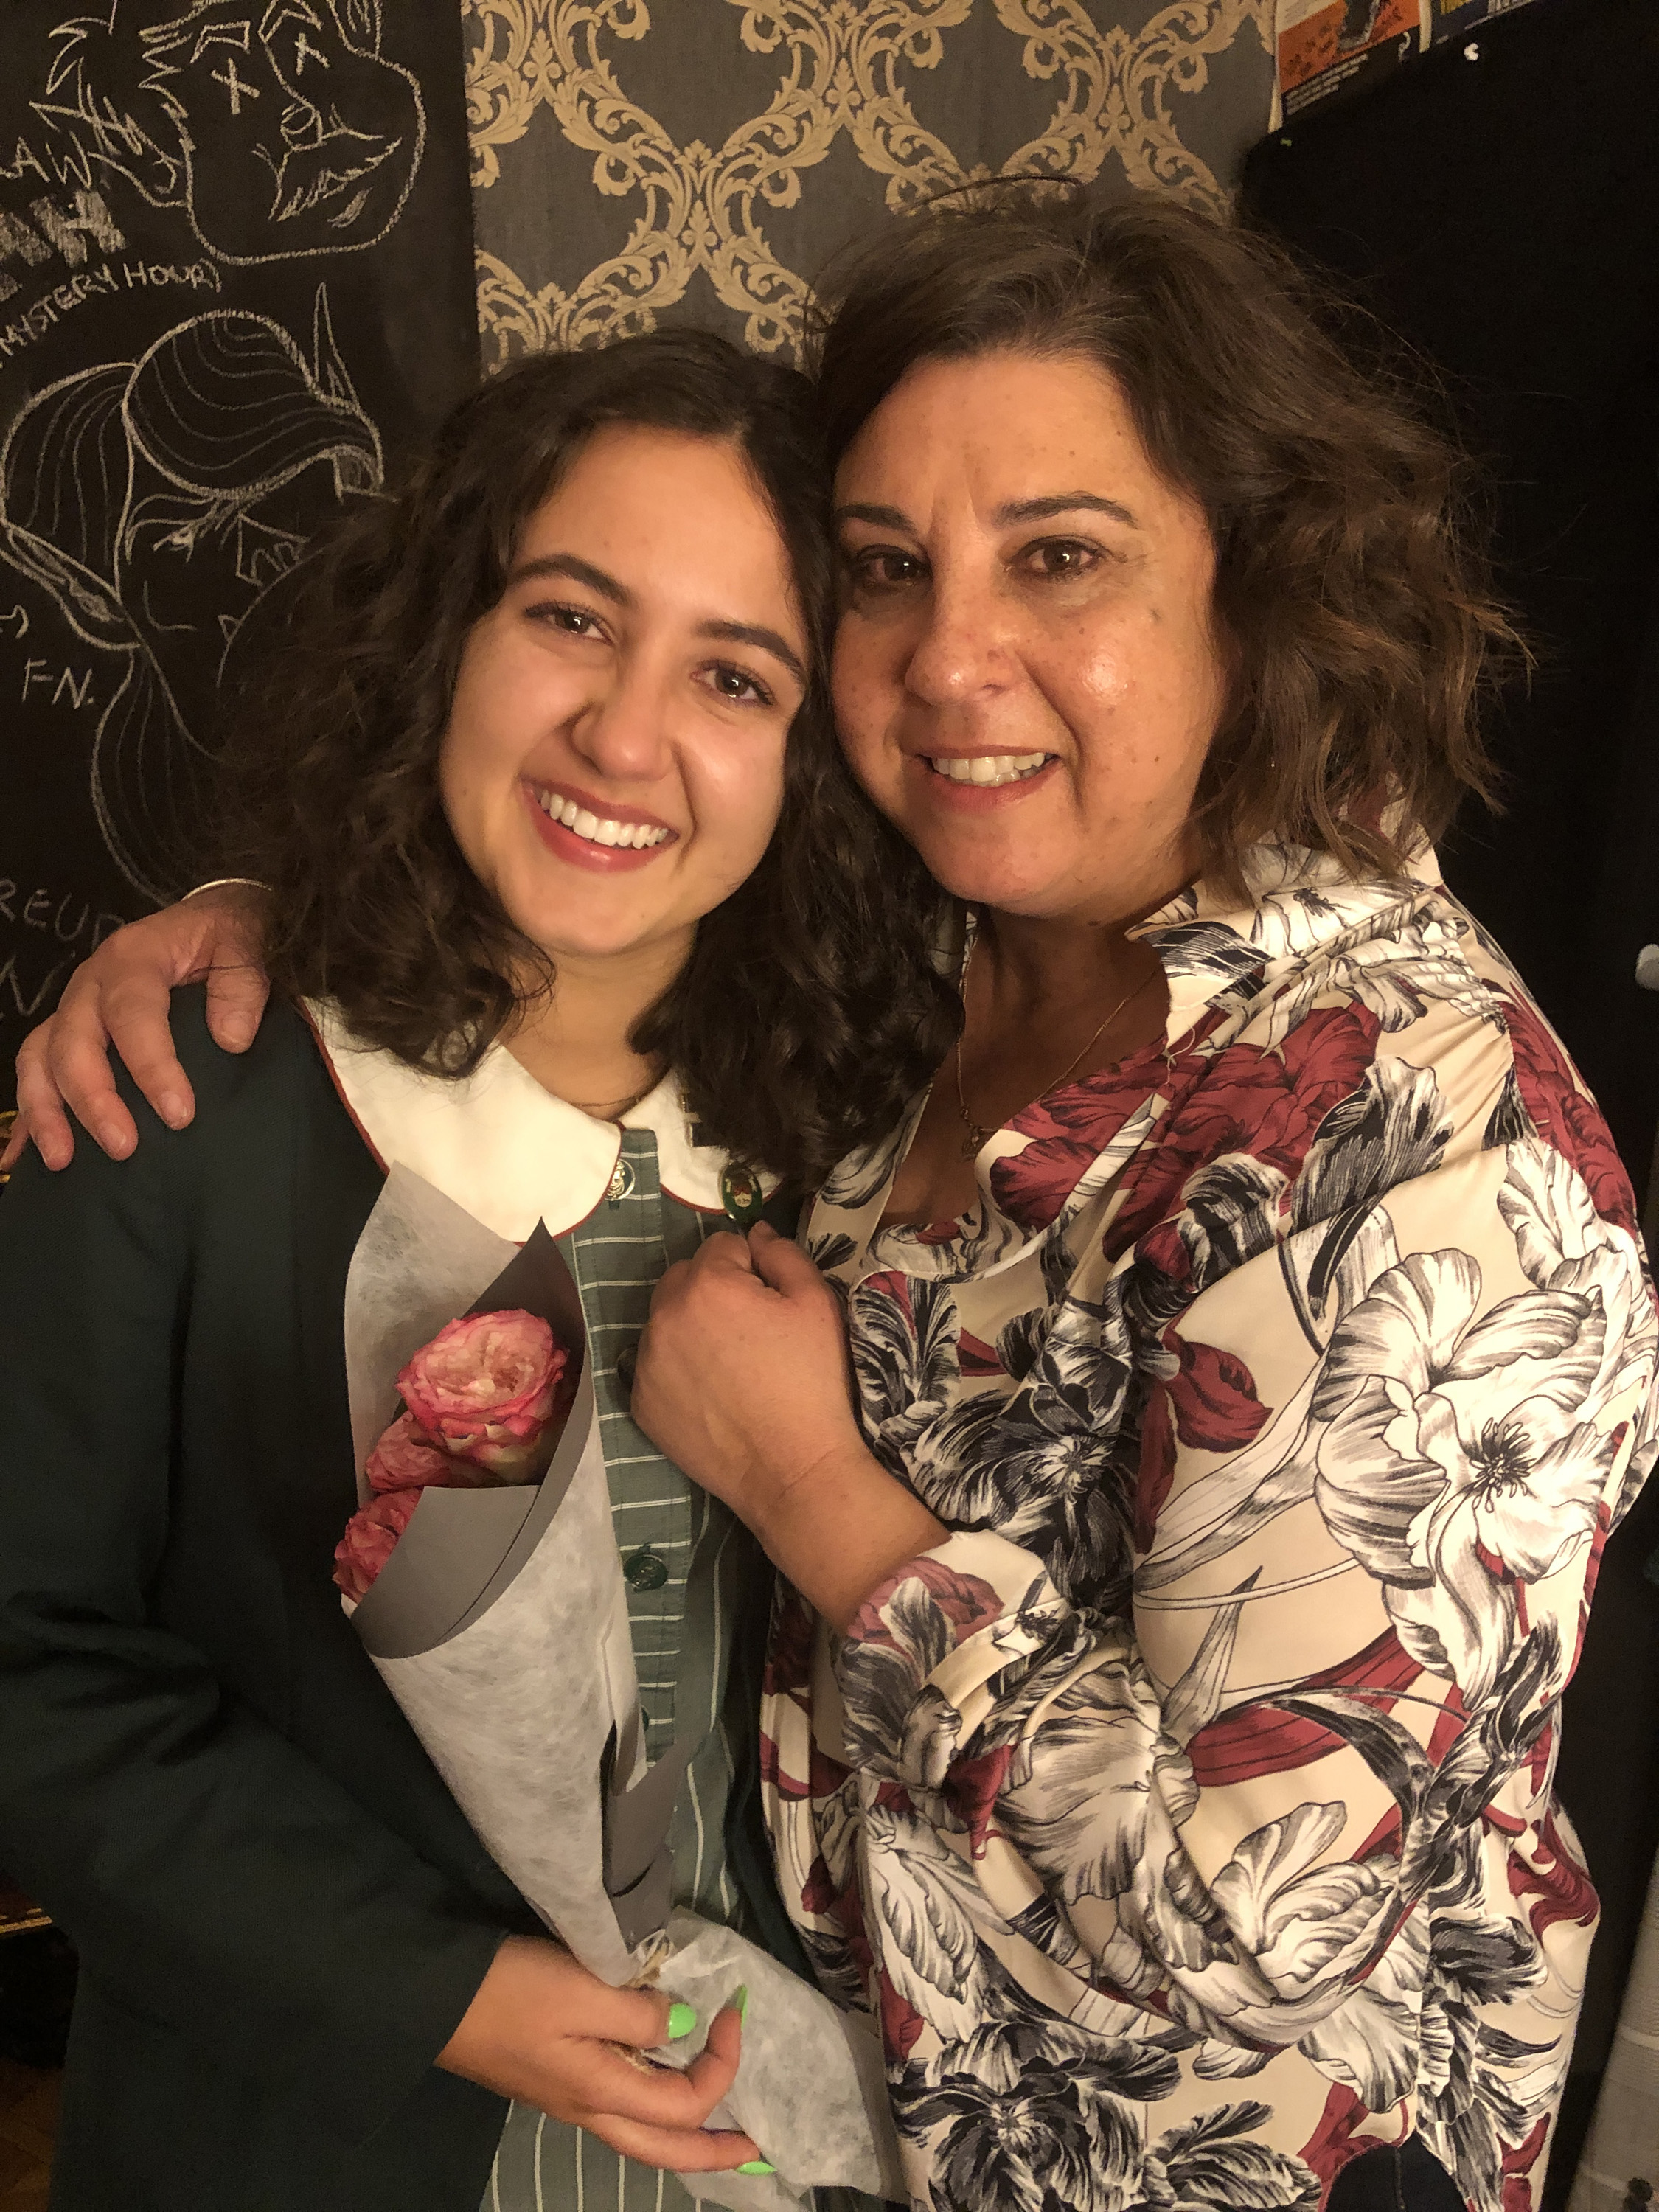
<point>742,1379</point>
<point>545,2031</point>
<point>119,997</point>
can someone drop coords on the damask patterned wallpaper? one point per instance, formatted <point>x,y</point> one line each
<point>639,161</point>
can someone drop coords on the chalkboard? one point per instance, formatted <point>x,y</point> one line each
<point>235,277</point>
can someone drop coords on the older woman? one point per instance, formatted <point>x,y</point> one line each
<point>1251,1344</point>
<point>1254,1301</point>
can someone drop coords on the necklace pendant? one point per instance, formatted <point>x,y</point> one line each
<point>976,1141</point>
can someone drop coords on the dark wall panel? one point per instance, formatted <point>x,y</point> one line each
<point>235,274</point>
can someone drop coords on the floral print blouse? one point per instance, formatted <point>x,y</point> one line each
<point>1186,1816</point>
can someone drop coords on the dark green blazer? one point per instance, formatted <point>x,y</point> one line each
<point>281,1913</point>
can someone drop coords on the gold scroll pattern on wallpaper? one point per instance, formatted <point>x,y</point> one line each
<point>841,67</point>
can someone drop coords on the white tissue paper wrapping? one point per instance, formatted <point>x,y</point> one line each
<point>514,1676</point>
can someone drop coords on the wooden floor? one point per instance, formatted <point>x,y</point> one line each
<point>28,2113</point>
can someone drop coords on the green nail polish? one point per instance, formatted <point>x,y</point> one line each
<point>741,2002</point>
<point>680,2022</point>
<point>758,2165</point>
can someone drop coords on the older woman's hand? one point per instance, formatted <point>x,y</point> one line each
<point>742,1380</point>
<point>120,996</point>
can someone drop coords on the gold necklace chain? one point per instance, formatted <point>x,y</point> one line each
<point>978,1135</point>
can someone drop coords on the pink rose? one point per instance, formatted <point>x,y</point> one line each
<point>485,1389</point>
<point>478,1400</point>
<point>371,1534</point>
<point>407,1458</point>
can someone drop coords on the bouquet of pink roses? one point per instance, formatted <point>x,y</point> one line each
<point>497,1614</point>
<point>506,1644</point>
<point>479,1400</point>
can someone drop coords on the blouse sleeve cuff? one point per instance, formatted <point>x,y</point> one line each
<point>937,1645</point>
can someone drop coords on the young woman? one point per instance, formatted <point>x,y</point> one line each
<point>1251,1344</point>
<point>544,800</point>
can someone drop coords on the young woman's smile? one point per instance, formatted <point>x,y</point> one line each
<point>592,831</point>
<point>614,762</point>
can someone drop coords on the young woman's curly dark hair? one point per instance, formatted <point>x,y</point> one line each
<point>810,1010</point>
<point>1350,593</point>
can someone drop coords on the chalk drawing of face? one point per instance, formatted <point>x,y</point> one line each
<point>279,127</point>
<point>161,501</point>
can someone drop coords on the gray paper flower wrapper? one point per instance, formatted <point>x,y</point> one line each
<point>500,1625</point>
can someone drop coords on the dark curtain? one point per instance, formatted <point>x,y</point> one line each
<point>1497,203</point>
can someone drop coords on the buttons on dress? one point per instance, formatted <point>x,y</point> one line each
<point>621,1185</point>
<point>644,1571</point>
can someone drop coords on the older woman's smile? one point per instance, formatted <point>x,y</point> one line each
<point>992,770</point>
<point>1028,673</point>
<point>951,786</point>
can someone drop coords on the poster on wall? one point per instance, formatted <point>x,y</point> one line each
<point>235,277</point>
<point>1329,47</point>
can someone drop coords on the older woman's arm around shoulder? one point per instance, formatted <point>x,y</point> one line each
<point>1302,1796</point>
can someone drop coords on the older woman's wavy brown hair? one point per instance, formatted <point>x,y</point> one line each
<point>810,1011</point>
<point>1356,608</point>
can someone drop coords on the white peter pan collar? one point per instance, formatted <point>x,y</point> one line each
<point>500,1145</point>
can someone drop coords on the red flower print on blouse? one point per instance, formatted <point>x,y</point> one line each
<point>1268,1105</point>
<point>1564,1116</point>
<point>977,1358</point>
<point>901,2023</point>
<point>1243,1746</point>
<point>1562,1889</point>
<point>1209,1403</point>
<point>1309,1842</point>
<point>1518,2164</point>
<point>1333,2143</point>
<point>964,1600</point>
<point>1069,1129</point>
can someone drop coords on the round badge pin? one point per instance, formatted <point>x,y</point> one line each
<point>621,1185</point>
<point>741,1196</point>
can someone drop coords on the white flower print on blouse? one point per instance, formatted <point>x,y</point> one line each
<point>1186,1816</point>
